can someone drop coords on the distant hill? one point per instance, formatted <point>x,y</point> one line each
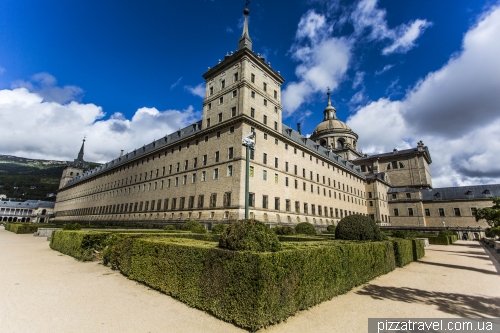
<point>28,178</point>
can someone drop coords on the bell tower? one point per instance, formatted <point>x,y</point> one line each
<point>75,168</point>
<point>243,84</point>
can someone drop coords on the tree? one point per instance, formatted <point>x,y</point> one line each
<point>490,214</point>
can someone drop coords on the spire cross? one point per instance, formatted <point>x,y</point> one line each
<point>328,93</point>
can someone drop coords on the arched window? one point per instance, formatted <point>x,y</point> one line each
<point>340,144</point>
<point>388,166</point>
<point>323,143</point>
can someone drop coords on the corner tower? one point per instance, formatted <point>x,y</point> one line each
<point>243,84</point>
<point>75,168</point>
<point>335,135</point>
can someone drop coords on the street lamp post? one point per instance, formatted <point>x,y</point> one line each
<point>249,143</point>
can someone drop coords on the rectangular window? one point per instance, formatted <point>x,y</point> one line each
<point>211,91</point>
<point>265,120</point>
<point>286,181</point>
<point>227,199</point>
<point>223,84</point>
<point>233,112</point>
<point>275,94</point>
<point>264,174</point>
<point>195,162</point>
<point>276,203</point>
<point>296,183</point>
<point>441,211</point>
<point>234,93</point>
<point>313,209</point>
<point>252,78</point>
<point>208,123</point>
<point>230,153</point>
<point>176,181</point>
<point>229,170</point>
<point>220,118</point>
<point>427,212</point>
<point>216,156</point>
<point>209,106</point>
<point>184,180</point>
<point>275,162</point>
<point>396,212</point>
<point>265,102</point>
<point>264,86</point>
<point>146,205</point>
<point>410,211</point>
<point>457,211</point>
<point>193,178</point>
<point>191,202</point>
<point>231,129</point>
<point>251,199</point>
<point>213,200</point>
<point>265,136</point>
<point>200,201</point>
<point>264,201</point>
<point>306,210</point>
<point>174,203</point>
<point>186,164</point>
<point>204,159</point>
<point>369,194</point>
<point>252,94</point>
<point>408,196</point>
<point>178,167</point>
<point>235,77</point>
<point>473,211</point>
<point>394,165</point>
<point>216,173</point>
<point>287,205</point>
<point>286,166</point>
<point>182,202</point>
<point>297,206</point>
<point>264,158</point>
<point>394,195</point>
<point>203,176</point>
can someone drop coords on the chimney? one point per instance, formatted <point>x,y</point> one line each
<point>121,153</point>
<point>298,128</point>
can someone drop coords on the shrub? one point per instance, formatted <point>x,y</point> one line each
<point>358,227</point>
<point>418,249</point>
<point>305,228</point>
<point>440,240</point>
<point>403,251</point>
<point>25,228</point>
<point>400,234</point>
<point>191,225</point>
<point>331,228</point>
<point>283,231</point>
<point>447,233</point>
<point>169,228</point>
<point>252,289</point>
<point>72,226</point>
<point>82,245</point>
<point>219,228</point>
<point>250,235</point>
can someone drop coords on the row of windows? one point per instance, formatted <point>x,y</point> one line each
<point>235,79</point>
<point>440,212</point>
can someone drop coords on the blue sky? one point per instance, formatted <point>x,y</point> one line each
<point>127,72</point>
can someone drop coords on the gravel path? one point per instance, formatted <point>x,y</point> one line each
<point>42,290</point>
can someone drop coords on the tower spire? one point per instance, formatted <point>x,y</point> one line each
<point>330,111</point>
<point>245,41</point>
<point>80,154</point>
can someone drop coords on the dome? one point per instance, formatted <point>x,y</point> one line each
<point>331,124</point>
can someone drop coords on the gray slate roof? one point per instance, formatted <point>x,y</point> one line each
<point>195,128</point>
<point>395,153</point>
<point>462,192</point>
<point>28,204</point>
<point>310,144</point>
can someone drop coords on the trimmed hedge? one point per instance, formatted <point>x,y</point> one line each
<point>418,249</point>
<point>299,238</point>
<point>283,231</point>
<point>249,235</point>
<point>358,227</point>
<point>25,228</point>
<point>251,289</point>
<point>442,240</point>
<point>305,228</point>
<point>403,251</point>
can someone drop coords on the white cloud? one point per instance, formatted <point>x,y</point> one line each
<point>453,110</point>
<point>31,126</point>
<point>229,30</point>
<point>358,98</point>
<point>175,83</point>
<point>367,16</point>
<point>358,79</point>
<point>44,85</point>
<point>323,61</point>
<point>198,90</point>
<point>405,38</point>
<point>385,69</point>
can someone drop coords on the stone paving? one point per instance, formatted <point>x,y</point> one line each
<point>42,290</point>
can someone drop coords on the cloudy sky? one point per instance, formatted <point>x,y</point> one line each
<point>124,73</point>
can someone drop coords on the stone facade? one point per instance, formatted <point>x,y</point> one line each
<point>28,211</point>
<point>198,172</point>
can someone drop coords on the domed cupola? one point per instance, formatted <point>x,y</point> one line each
<point>335,135</point>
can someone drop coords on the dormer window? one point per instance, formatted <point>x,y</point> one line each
<point>469,192</point>
<point>486,191</point>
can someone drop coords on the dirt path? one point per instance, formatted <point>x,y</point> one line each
<point>42,290</point>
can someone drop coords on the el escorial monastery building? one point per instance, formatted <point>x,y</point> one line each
<point>198,172</point>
